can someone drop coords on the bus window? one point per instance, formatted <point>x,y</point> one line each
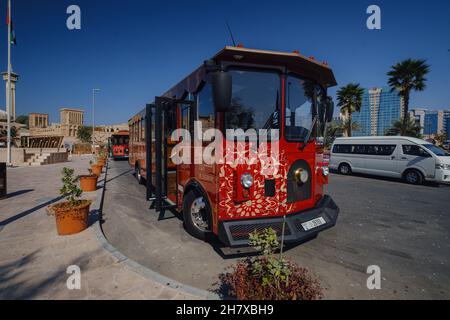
<point>206,107</point>
<point>255,100</point>
<point>299,108</point>
<point>142,133</point>
<point>185,117</point>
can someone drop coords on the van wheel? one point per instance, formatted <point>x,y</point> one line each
<point>137,173</point>
<point>197,215</point>
<point>413,177</point>
<point>345,169</point>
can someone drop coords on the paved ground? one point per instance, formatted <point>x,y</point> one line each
<point>34,259</point>
<point>403,229</point>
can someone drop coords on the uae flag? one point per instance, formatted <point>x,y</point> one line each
<point>8,21</point>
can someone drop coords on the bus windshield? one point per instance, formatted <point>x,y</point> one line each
<point>255,102</point>
<point>119,140</point>
<point>300,109</point>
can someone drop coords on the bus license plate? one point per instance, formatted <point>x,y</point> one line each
<point>308,225</point>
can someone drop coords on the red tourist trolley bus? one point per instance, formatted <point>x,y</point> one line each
<point>119,145</point>
<point>244,89</point>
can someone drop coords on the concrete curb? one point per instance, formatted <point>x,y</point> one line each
<point>135,266</point>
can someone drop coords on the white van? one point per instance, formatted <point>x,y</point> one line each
<point>412,159</point>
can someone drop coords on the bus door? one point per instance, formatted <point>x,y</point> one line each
<point>166,171</point>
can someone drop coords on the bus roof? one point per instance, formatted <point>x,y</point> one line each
<point>121,133</point>
<point>294,62</point>
<point>379,138</point>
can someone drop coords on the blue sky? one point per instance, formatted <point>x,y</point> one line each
<point>136,49</point>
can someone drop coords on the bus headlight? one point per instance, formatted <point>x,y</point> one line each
<point>247,180</point>
<point>301,176</point>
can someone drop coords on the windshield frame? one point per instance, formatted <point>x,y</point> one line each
<point>314,130</point>
<point>265,70</point>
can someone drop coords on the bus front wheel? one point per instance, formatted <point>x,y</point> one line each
<point>196,215</point>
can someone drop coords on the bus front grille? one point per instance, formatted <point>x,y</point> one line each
<point>240,232</point>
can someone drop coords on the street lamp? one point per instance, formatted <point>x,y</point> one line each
<point>93,114</point>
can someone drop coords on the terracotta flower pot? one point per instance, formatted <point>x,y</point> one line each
<point>101,162</point>
<point>88,183</point>
<point>97,169</point>
<point>71,220</point>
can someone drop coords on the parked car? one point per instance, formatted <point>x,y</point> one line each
<point>446,146</point>
<point>411,159</point>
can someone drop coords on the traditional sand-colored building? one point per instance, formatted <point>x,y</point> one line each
<point>42,134</point>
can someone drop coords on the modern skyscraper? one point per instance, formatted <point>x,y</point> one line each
<point>447,123</point>
<point>433,122</point>
<point>380,109</point>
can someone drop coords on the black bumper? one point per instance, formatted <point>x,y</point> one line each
<point>235,233</point>
<point>124,157</point>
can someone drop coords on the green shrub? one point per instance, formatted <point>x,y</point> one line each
<point>268,277</point>
<point>70,187</point>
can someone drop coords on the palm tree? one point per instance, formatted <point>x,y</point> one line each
<point>350,100</point>
<point>406,76</point>
<point>410,129</point>
<point>336,129</point>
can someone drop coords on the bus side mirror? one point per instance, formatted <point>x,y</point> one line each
<point>221,91</point>
<point>329,109</point>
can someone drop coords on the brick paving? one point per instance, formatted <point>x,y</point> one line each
<point>34,259</point>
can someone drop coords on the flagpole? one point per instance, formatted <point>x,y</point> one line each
<point>8,93</point>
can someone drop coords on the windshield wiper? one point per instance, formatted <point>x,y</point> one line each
<point>308,136</point>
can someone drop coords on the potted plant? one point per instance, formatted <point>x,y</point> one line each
<point>88,183</point>
<point>71,215</point>
<point>101,157</point>
<point>268,277</point>
<point>96,169</point>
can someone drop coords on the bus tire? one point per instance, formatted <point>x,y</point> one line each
<point>413,176</point>
<point>345,169</point>
<point>137,173</point>
<point>197,215</point>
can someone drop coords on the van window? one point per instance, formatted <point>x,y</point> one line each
<point>342,148</point>
<point>381,150</point>
<point>415,150</point>
<point>371,149</point>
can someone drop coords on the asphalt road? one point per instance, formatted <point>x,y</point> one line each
<point>402,229</point>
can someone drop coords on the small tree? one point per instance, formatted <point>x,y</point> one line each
<point>84,134</point>
<point>70,187</point>
<point>269,277</point>
<point>13,132</point>
<point>441,138</point>
<point>102,152</point>
<point>22,119</point>
<point>411,129</point>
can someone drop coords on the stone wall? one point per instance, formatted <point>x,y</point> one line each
<point>20,156</point>
<point>17,156</point>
